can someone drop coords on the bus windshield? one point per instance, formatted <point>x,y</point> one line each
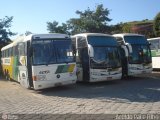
<point>140,54</point>
<point>105,52</point>
<point>106,57</point>
<point>140,47</point>
<point>136,39</point>
<point>51,51</point>
<point>102,41</point>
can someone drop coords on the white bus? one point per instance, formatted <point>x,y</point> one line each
<point>135,53</point>
<point>155,51</point>
<point>40,61</point>
<point>97,57</point>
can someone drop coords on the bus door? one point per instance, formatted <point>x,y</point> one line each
<point>22,65</point>
<point>124,62</point>
<point>85,63</point>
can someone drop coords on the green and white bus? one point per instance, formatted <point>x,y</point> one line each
<point>97,57</point>
<point>135,54</point>
<point>155,51</point>
<point>40,61</point>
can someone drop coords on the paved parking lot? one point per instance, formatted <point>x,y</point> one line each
<point>128,96</point>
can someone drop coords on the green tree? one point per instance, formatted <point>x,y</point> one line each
<point>90,21</point>
<point>53,27</point>
<point>156,25</point>
<point>5,32</point>
<point>115,29</point>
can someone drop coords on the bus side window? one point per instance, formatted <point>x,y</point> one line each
<point>82,42</point>
<point>154,45</point>
<point>21,48</point>
<point>15,50</point>
<point>7,51</point>
<point>2,54</point>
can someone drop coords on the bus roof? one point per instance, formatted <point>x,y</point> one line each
<point>7,46</point>
<point>24,38</point>
<point>91,34</point>
<point>42,36</point>
<point>157,38</point>
<point>126,34</point>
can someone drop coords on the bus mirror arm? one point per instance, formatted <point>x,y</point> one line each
<point>125,50</point>
<point>90,51</point>
<point>149,43</point>
<point>129,47</point>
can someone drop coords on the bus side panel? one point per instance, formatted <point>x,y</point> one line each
<point>155,62</point>
<point>7,67</point>
<point>22,65</point>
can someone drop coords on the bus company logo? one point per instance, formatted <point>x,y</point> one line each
<point>44,72</point>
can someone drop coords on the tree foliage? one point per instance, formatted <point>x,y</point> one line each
<point>156,25</point>
<point>118,28</point>
<point>88,21</point>
<point>5,32</point>
<point>53,27</point>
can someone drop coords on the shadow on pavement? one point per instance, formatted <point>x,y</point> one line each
<point>133,89</point>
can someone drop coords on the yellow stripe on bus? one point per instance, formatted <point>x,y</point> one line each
<point>71,68</point>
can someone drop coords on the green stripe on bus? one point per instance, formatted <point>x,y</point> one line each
<point>15,68</point>
<point>65,68</point>
<point>155,53</point>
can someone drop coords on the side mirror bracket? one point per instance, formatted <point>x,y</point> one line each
<point>129,47</point>
<point>90,50</point>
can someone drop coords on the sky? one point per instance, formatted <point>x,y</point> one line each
<point>32,15</point>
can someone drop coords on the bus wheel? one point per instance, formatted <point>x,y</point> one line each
<point>124,76</point>
<point>7,77</point>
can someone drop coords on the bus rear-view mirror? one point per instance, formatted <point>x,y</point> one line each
<point>129,47</point>
<point>90,50</point>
